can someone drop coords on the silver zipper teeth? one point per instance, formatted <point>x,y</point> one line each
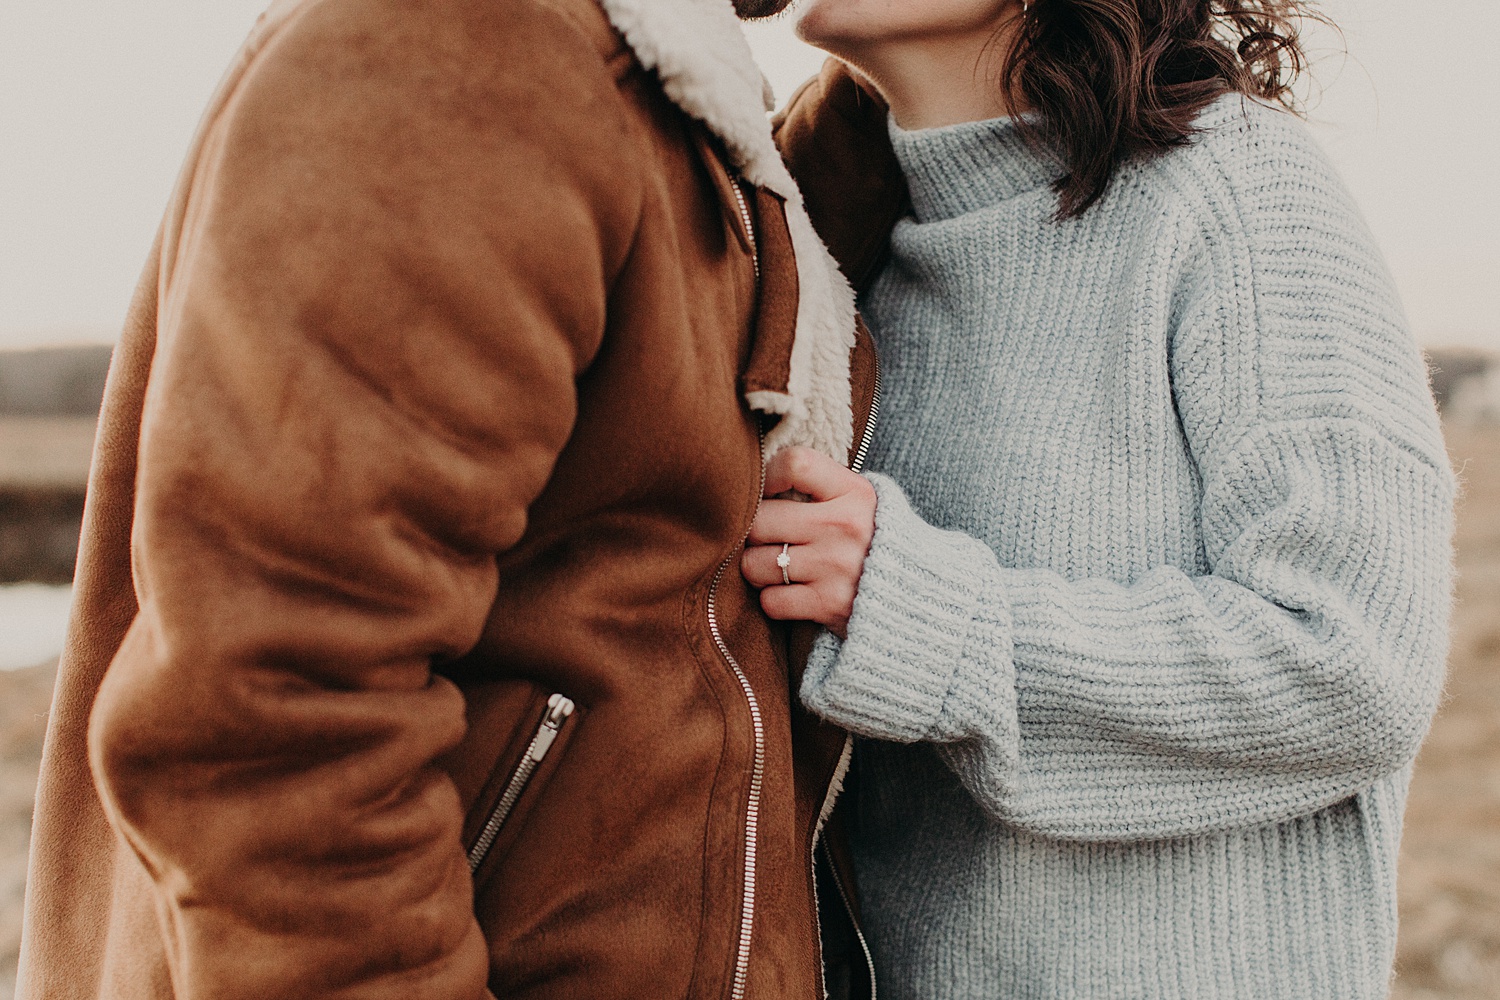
<point>859,935</point>
<point>558,710</point>
<point>830,796</point>
<point>857,465</point>
<point>739,199</point>
<point>757,774</point>
<point>868,436</point>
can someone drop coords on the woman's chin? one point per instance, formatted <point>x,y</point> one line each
<point>828,24</point>
<point>844,27</point>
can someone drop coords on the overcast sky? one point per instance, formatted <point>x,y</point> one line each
<point>99,98</point>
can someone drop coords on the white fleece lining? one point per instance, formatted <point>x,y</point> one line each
<point>699,52</point>
<point>835,787</point>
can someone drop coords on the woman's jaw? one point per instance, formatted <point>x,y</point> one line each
<point>936,62</point>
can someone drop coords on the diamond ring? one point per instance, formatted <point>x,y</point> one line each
<point>784,560</point>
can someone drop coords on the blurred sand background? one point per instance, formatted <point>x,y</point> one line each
<point>1450,859</point>
<point>1450,874</point>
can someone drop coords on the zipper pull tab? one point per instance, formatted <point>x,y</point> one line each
<point>559,708</point>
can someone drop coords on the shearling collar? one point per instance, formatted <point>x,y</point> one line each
<point>699,52</point>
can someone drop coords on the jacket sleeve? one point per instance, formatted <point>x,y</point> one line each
<point>834,138</point>
<point>1300,668</point>
<point>395,259</point>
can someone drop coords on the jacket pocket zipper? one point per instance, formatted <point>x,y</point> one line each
<point>559,708</point>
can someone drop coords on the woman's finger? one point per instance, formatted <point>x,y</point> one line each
<point>785,521</point>
<point>797,603</point>
<point>804,564</point>
<point>809,472</point>
<point>758,565</point>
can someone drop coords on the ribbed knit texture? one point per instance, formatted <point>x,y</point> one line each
<point>1156,611</point>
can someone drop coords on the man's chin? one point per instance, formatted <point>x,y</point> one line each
<point>751,9</point>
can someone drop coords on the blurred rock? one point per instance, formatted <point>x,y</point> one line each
<point>39,534</point>
<point>49,400</point>
<point>53,381</point>
<point>46,453</point>
<point>1466,384</point>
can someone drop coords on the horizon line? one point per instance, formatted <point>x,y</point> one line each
<point>64,338</point>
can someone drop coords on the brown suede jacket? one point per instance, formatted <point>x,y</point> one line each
<point>410,657</point>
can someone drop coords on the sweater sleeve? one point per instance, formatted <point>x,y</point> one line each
<point>1303,665</point>
<point>393,265</point>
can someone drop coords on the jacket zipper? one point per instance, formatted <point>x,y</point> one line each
<point>860,454</point>
<point>757,724</point>
<point>859,934</point>
<point>739,200</point>
<point>558,710</point>
<point>863,452</point>
<point>757,773</point>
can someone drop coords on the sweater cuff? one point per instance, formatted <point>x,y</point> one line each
<point>926,616</point>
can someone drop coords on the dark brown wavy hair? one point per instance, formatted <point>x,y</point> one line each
<point>1108,81</point>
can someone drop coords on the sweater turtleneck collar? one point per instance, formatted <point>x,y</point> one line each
<point>958,169</point>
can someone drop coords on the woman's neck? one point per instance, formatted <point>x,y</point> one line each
<point>942,80</point>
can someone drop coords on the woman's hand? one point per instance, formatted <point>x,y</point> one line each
<point>827,538</point>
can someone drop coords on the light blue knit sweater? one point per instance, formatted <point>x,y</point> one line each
<point>1156,611</point>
